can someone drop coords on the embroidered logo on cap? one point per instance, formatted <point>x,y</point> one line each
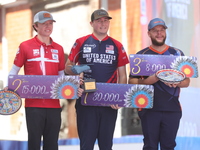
<point>46,15</point>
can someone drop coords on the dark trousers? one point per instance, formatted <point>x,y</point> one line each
<point>95,123</point>
<point>159,128</point>
<point>43,122</point>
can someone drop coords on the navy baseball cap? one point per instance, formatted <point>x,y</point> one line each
<point>43,16</point>
<point>155,22</point>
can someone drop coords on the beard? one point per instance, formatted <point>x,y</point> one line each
<point>156,43</point>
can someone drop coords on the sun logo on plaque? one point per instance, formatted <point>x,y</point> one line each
<point>65,87</point>
<point>139,96</point>
<point>187,65</point>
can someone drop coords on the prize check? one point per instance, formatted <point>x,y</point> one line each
<point>124,95</point>
<point>146,65</point>
<point>44,87</point>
